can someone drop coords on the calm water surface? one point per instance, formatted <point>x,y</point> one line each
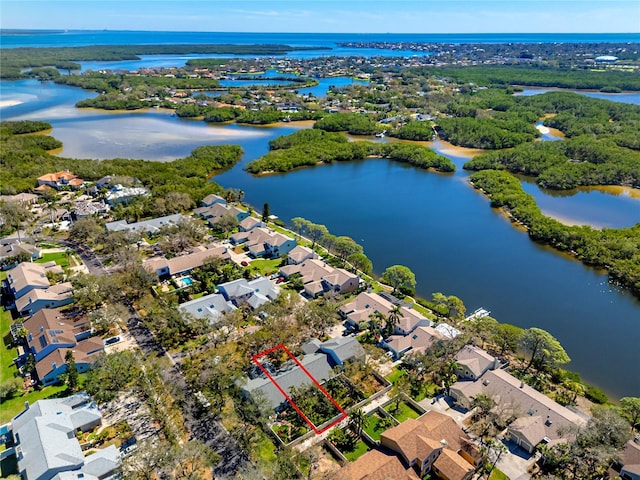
<point>633,98</point>
<point>434,223</point>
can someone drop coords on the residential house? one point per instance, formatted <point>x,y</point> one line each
<point>447,330</point>
<point>146,226</point>
<point>538,418</point>
<point>263,242</point>
<point>31,289</point>
<point>366,304</point>
<point>25,199</point>
<point>182,264</point>
<point>12,250</point>
<point>254,293</point>
<point>211,306</point>
<point>250,223</point>
<point>85,208</point>
<point>419,340</point>
<point>217,211</point>
<point>433,443</point>
<point>318,277</point>
<point>473,362</point>
<point>46,446</point>
<point>628,467</point>
<point>299,254</point>
<point>119,194</point>
<point>60,179</point>
<point>376,465</point>
<point>51,334</point>
<point>319,361</point>
<point>212,199</point>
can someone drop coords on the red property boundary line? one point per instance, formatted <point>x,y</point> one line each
<point>297,409</point>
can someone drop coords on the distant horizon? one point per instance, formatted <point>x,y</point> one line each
<point>8,29</point>
<point>327,16</point>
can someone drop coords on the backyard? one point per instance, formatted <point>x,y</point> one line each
<point>403,411</point>
<point>377,424</point>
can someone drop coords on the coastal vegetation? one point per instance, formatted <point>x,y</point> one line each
<point>543,76</point>
<point>23,158</point>
<point>14,60</point>
<point>306,148</point>
<point>616,250</point>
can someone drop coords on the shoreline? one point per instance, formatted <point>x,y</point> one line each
<point>10,103</point>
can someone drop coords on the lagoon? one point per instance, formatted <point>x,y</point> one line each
<point>435,223</point>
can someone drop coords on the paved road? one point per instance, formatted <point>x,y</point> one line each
<point>91,261</point>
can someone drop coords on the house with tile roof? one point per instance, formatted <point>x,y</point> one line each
<point>59,180</point>
<point>419,340</point>
<point>50,334</point>
<point>376,465</point>
<point>538,419</point>
<point>433,442</point>
<point>299,254</point>
<point>46,446</point>
<point>250,223</point>
<point>212,199</point>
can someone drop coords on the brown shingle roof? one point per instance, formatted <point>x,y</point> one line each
<point>376,465</point>
<point>453,466</point>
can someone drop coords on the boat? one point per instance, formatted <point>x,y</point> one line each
<point>381,135</point>
<point>478,313</point>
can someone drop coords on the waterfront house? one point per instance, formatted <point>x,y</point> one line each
<point>46,446</point>
<point>366,304</point>
<point>299,254</point>
<point>264,242</point>
<point>217,211</point>
<point>211,199</point>
<point>419,340</point>
<point>473,362</point>
<point>250,223</point>
<point>318,277</point>
<point>538,419</point>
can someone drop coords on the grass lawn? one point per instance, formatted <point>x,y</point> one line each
<point>10,408</point>
<point>360,449</point>
<point>7,368</point>
<point>424,311</point>
<point>404,411</point>
<point>264,449</point>
<point>266,267</point>
<point>374,428</point>
<point>395,375</point>
<point>427,390</point>
<point>498,475</point>
<point>59,257</point>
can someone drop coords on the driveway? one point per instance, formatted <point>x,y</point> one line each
<point>91,261</point>
<point>515,462</point>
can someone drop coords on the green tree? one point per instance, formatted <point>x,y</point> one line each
<point>73,380</point>
<point>393,319</point>
<point>266,212</point>
<point>358,420</point>
<point>86,230</point>
<point>630,407</point>
<point>399,277</point>
<point>360,262</point>
<point>543,349</point>
<point>315,232</point>
<point>506,337</point>
<point>226,224</point>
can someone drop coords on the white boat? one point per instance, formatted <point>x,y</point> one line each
<point>381,135</point>
<point>479,313</point>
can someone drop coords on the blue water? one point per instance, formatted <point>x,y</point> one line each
<point>106,37</point>
<point>632,98</point>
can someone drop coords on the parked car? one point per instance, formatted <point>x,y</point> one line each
<point>244,263</point>
<point>112,340</point>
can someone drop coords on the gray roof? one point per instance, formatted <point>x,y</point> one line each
<point>318,365</point>
<point>149,226</point>
<point>345,348</point>
<point>48,443</point>
<point>103,462</point>
<point>209,306</point>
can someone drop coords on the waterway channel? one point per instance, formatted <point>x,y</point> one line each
<point>436,224</point>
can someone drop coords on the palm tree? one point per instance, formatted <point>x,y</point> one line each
<point>375,320</point>
<point>393,319</point>
<point>358,420</point>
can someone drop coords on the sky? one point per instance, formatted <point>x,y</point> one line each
<point>327,16</point>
